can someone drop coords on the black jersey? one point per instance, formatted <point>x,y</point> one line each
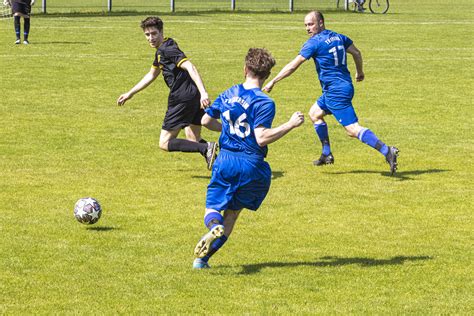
<point>168,58</point>
<point>28,2</point>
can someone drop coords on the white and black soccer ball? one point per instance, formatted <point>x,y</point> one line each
<point>87,210</point>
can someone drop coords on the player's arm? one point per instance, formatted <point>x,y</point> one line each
<point>265,136</point>
<point>192,70</point>
<point>211,123</point>
<point>145,82</point>
<point>285,72</point>
<point>357,55</point>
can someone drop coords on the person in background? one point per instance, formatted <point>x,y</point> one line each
<point>21,8</point>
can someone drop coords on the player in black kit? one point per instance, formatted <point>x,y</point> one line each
<point>21,8</point>
<point>187,99</point>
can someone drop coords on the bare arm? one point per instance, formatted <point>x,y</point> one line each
<point>357,55</point>
<point>265,136</point>
<point>145,82</point>
<point>192,70</point>
<point>211,123</point>
<point>285,72</point>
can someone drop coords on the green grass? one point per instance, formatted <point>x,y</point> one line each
<point>344,239</point>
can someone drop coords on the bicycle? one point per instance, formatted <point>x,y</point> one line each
<point>375,6</point>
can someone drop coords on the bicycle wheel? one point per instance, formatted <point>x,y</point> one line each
<point>378,6</point>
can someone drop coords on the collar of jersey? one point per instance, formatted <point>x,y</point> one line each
<point>164,40</point>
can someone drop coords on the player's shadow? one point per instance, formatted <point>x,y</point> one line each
<point>275,175</point>
<point>102,228</point>
<point>201,177</point>
<point>400,175</point>
<point>333,261</point>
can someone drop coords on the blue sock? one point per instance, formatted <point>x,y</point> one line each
<point>216,245</point>
<point>368,137</point>
<point>322,132</point>
<point>212,219</point>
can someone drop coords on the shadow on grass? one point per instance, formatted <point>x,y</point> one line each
<point>101,13</point>
<point>332,261</point>
<point>102,228</point>
<point>201,177</point>
<point>400,175</point>
<point>61,43</point>
<point>275,175</point>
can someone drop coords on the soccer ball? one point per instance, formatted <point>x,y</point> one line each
<point>87,210</point>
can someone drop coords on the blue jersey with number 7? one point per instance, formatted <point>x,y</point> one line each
<point>241,111</point>
<point>328,50</point>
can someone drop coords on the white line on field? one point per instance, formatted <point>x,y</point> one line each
<point>422,49</point>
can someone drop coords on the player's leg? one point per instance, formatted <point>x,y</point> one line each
<point>26,22</point>
<point>16,24</point>
<point>316,114</point>
<point>170,142</point>
<point>184,115</point>
<point>26,29</point>
<point>368,137</point>
<point>193,133</point>
<point>216,243</point>
<point>214,221</point>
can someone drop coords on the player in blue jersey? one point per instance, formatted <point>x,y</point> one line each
<point>187,96</point>
<point>240,176</point>
<point>329,51</point>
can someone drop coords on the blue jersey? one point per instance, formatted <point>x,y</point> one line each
<point>328,50</point>
<point>241,111</point>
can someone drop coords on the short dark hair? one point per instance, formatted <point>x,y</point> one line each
<point>260,62</point>
<point>152,21</point>
<point>318,15</point>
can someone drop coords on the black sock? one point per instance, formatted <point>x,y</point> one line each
<point>26,31</point>
<point>187,146</point>
<point>202,141</point>
<point>16,23</point>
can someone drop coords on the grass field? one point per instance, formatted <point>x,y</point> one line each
<point>344,239</point>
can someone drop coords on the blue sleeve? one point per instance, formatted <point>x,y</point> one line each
<point>346,40</point>
<point>308,49</point>
<point>264,114</point>
<point>214,110</point>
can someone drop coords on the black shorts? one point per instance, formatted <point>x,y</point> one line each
<point>21,8</point>
<point>183,114</point>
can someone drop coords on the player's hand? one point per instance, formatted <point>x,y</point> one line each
<point>269,86</point>
<point>123,98</point>
<point>296,119</point>
<point>360,76</point>
<point>205,102</point>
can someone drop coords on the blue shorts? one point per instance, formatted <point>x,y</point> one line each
<point>338,102</point>
<point>238,181</point>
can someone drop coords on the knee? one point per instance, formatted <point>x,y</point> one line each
<point>353,130</point>
<point>316,115</point>
<point>163,145</point>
